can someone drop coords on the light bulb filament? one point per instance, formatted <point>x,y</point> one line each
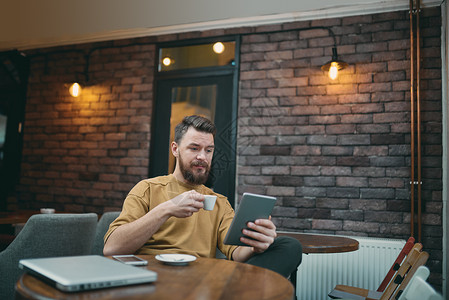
<point>333,71</point>
<point>75,90</point>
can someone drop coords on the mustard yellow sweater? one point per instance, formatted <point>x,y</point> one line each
<point>197,235</point>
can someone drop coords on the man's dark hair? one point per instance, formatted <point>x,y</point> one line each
<point>199,123</point>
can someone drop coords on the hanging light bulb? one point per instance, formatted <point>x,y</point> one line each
<point>166,61</point>
<point>334,65</point>
<point>75,89</point>
<point>333,71</point>
<point>218,47</point>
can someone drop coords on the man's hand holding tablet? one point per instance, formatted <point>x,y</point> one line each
<point>253,211</point>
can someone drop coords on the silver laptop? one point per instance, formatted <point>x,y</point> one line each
<point>81,273</point>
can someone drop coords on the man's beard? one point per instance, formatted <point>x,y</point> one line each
<point>188,174</point>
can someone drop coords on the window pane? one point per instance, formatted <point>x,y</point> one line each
<point>190,100</point>
<point>196,56</point>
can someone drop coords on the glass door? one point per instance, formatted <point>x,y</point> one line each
<point>211,97</point>
<point>190,100</point>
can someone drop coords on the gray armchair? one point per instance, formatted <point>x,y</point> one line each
<point>103,226</point>
<point>46,235</point>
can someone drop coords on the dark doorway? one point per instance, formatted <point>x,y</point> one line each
<point>14,69</point>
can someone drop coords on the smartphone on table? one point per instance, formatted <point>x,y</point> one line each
<point>130,260</point>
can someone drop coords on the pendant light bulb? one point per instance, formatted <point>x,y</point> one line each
<point>167,61</point>
<point>333,71</point>
<point>218,47</point>
<point>75,89</point>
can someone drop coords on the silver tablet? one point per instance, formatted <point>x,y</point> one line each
<point>252,207</point>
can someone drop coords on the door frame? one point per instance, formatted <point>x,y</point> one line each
<point>160,127</point>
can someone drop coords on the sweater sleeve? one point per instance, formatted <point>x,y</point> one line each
<point>225,223</point>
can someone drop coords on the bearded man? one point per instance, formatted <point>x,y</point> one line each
<point>164,214</point>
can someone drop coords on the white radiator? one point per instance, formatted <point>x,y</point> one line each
<point>365,268</point>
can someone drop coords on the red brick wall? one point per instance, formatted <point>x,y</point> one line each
<point>335,153</point>
<point>85,153</point>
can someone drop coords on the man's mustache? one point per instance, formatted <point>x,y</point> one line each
<point>197,163</point>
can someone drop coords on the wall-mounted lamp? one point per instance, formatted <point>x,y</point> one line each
<point>334,65</point>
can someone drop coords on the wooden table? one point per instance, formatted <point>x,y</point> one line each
<point>9,222</point>
<point>321,243</point>
<point>205,278</point>
<point>16,217</point>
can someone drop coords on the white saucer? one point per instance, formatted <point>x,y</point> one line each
<point>175,259</point>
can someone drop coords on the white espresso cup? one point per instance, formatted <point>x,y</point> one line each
<point>209,202</point>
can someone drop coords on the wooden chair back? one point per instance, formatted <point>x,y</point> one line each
<point>397,263</point>
<point>396,283</point>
